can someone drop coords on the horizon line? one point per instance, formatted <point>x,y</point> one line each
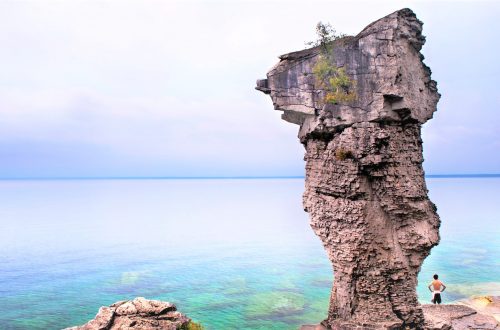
<point>48,178</point>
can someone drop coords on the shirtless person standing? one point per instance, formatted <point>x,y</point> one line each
<point>436,289</point>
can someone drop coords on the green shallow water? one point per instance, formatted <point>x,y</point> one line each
<point>232,254</point>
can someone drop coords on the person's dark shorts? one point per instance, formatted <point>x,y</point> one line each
<point>437,298</point>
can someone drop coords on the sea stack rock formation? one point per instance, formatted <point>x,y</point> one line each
<point>365,190</point>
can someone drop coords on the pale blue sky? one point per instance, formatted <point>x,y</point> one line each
<point>158,88</point>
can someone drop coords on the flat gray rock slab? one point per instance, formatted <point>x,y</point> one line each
<point>451,317</point>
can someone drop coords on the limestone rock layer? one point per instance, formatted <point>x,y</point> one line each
<point>365,190</point>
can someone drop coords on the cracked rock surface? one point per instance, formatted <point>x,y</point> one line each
<point>139,313</point>
<point>365,190</point>
<point>465,315</point>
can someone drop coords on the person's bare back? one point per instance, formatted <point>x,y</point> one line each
<point>437,288</point>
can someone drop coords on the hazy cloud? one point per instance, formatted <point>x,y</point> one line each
<point>166,88</point>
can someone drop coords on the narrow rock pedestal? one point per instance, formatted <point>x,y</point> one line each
<point>365,190</point>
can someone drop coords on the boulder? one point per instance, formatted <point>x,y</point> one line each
<point>139,313</point>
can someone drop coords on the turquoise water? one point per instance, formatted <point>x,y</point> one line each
<point>232,254</point>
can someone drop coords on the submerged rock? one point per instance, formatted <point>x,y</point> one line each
<point>365,190</point>
<point>270,305</point>
<point>139,313</point>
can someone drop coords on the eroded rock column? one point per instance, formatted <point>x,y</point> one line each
<point>365,190</point>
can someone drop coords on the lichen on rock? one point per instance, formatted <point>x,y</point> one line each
<point>365,190</point>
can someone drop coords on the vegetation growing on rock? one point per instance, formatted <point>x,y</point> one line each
<point>335,81</point>
<point>192,326</point>
<point>343,154</point>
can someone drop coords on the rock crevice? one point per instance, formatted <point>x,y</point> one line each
<point>365,190</point>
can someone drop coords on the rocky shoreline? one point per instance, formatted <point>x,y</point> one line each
<point>141,313</point>
<point>474,313</point>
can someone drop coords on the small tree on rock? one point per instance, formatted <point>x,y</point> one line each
<point>336,83</point>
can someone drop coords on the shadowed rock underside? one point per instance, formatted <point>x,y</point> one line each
<point>365,190</point>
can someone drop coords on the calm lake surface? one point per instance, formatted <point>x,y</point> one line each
<point>230,253</point>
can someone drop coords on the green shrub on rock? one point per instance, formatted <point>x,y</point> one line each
<point>192,326</point>
<point>335,81</point>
